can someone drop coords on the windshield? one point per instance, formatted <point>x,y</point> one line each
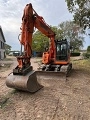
<point>61,49</point>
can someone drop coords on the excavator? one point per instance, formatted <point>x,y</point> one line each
<point>55,60</point>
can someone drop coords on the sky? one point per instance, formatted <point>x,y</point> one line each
<point>53,11</point>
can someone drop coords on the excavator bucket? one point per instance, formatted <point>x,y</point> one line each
<point>25,83</point>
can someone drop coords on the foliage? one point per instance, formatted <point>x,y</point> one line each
<point>58,32</point>
<point>87,54</point>
<point>68,30</point>
<point>81,10</point>
<point>73,33</point>
<point>75,54</point>
<point>7,48</point>
<point>40,41</point>
<point>88,49</point>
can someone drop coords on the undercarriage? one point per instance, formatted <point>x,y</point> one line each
<point>57,68</point>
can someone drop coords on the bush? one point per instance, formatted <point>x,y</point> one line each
<point>86,55</point>
<point>75,54</point>
<point>88,49</point>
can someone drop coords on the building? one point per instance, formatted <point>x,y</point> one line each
<point>2,44</point>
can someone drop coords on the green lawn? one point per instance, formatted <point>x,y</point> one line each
<point>82,64</point>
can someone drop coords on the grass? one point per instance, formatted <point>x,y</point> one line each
<point>82,64</point>
<point>13,91</point>
<point>3,102</point>
<point>4,99</point>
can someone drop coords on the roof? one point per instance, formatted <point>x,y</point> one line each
<point>2,34</point>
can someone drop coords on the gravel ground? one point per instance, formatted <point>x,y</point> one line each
<point>57,100</point>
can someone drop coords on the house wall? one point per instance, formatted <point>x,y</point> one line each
<point>2,47</point>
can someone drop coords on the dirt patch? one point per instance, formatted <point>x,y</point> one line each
<point>58,100</point>
<point>5,67</point>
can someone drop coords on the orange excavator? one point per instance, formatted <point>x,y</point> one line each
<point>55,59</point>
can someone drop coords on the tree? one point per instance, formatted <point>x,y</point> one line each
<point>81,10</point>
<point>40,41</point>
<point>7,48</point>
<point>68,30</point>
<point>58,32</point>
<point>73,33</point>
<point>88,49</point>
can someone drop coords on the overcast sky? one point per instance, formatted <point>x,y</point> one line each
<point>53,11</point>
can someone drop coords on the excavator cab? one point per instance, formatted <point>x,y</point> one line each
<point>62,50</point>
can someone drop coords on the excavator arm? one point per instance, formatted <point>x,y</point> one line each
<point>31,20</point>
